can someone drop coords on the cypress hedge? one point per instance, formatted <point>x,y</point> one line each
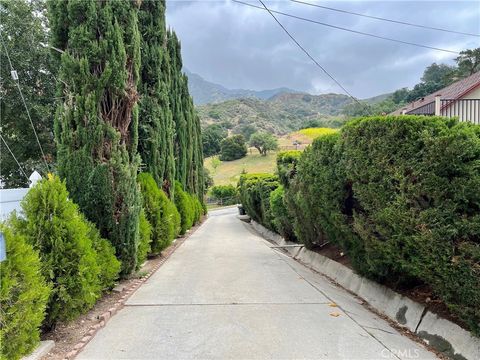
<point>96,123</point>
<point>23,296</point>
<point>185,207</point>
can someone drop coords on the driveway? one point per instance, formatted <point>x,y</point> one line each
<point>225,294</point>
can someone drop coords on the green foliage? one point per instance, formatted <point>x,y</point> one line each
<point>212,136</point>
<point>233,148</point>
<point>254,191</point>
<point>106,260</point>
<point>23,297</point>
<point>282,220</point>
<point>468,62</point>
<point>185,207</point>
<point>226,194</point>
<point>158,211</point>
<point>145,230</point>
<point>198,208</point>
<point>415,182</point>
<point>57,230</point>
<point>263,142</point>
<point>286,165</point>
<point>156,123</point>
<point>23,34</point>
<point>96,130</point>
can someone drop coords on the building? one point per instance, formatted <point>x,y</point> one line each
<point>460,99</point>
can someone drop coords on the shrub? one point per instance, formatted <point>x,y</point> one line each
<point>415,180</point>
<point>254,190</point>
<point>198,209</point>
<point>145,230</point>
<point>286,165</point>
<point>318,197</point>
<point>233,148</point>
<point>224,194</point>
<point>106,260</point>
<point>23,297</point>
<point>158,211</point>
<point>185,208</point>
<point>282,220</point>
<point>56,229</point>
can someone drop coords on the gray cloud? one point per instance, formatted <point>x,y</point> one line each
<point>241,47</point>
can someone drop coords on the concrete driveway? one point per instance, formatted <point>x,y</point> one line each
<point>225,294</point>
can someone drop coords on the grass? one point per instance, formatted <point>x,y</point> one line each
<point>228,172</point>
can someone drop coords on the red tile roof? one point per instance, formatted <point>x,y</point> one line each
<point>454,91</point>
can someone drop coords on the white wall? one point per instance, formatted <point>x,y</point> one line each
<point>10,200</point>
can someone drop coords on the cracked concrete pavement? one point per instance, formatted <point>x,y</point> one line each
<point>225,294</point>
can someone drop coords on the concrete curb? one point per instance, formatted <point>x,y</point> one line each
<point>443,335</point>
<point>41,350</point>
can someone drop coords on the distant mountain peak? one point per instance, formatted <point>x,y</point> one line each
<point>205,92</point>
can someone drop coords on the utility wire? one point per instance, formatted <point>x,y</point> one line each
<point>349,30</point>
<point>385,19</point>
<point>307,53</point>
<point>11,153</point>
<point>17,82</point>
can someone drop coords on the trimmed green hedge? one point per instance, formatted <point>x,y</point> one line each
<point>159,211</point>
<point>226,194</point>
<point>416,183</point>
<point>286,165</point>
<point>254,191</point>
<point>282,220</point>
<point>23,297</point>
<point>400,195</point>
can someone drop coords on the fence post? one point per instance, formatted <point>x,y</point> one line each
<point>437,105</point>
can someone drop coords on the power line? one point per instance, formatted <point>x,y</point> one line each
<point>17,82</point>
<point>308,54</point>
<point>11,153</point>
<point>350,30</point>
<point>385,19</point>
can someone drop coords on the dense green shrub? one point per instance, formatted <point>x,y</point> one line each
<point>145,237</point>
<point>416,184</point>
<point>224,194</point>
<point>286,165</point>
<point>106,260</point>
<point>159,213</point>
<point>233,148</point>
<point>282,220</point>
<point>184,206</point>
<point>57,230</point>
<point>198,209</point>
<point>254,190</point>
<point>23,297</point>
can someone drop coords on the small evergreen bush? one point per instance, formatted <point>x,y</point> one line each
<point>23,297</point>
<point>185,207</point>
<point>233,148</point>
<point>158,210</point>
<point>57,230</point>
<point>145,230</point>
<point>286,165</point>
<point>109,265</point>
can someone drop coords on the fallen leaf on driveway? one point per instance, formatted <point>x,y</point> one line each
<point>332,305</point>
<point>335,314</point>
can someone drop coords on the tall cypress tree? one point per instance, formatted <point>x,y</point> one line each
<point>156,127</point>
<point>96,124</point>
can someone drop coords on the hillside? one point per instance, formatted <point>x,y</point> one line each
<point>204,91</point>
<point>280,114</point>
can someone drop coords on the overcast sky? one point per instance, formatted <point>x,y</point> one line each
<point>242,47</point>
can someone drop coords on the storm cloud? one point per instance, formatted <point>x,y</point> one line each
<point>243,47</point>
